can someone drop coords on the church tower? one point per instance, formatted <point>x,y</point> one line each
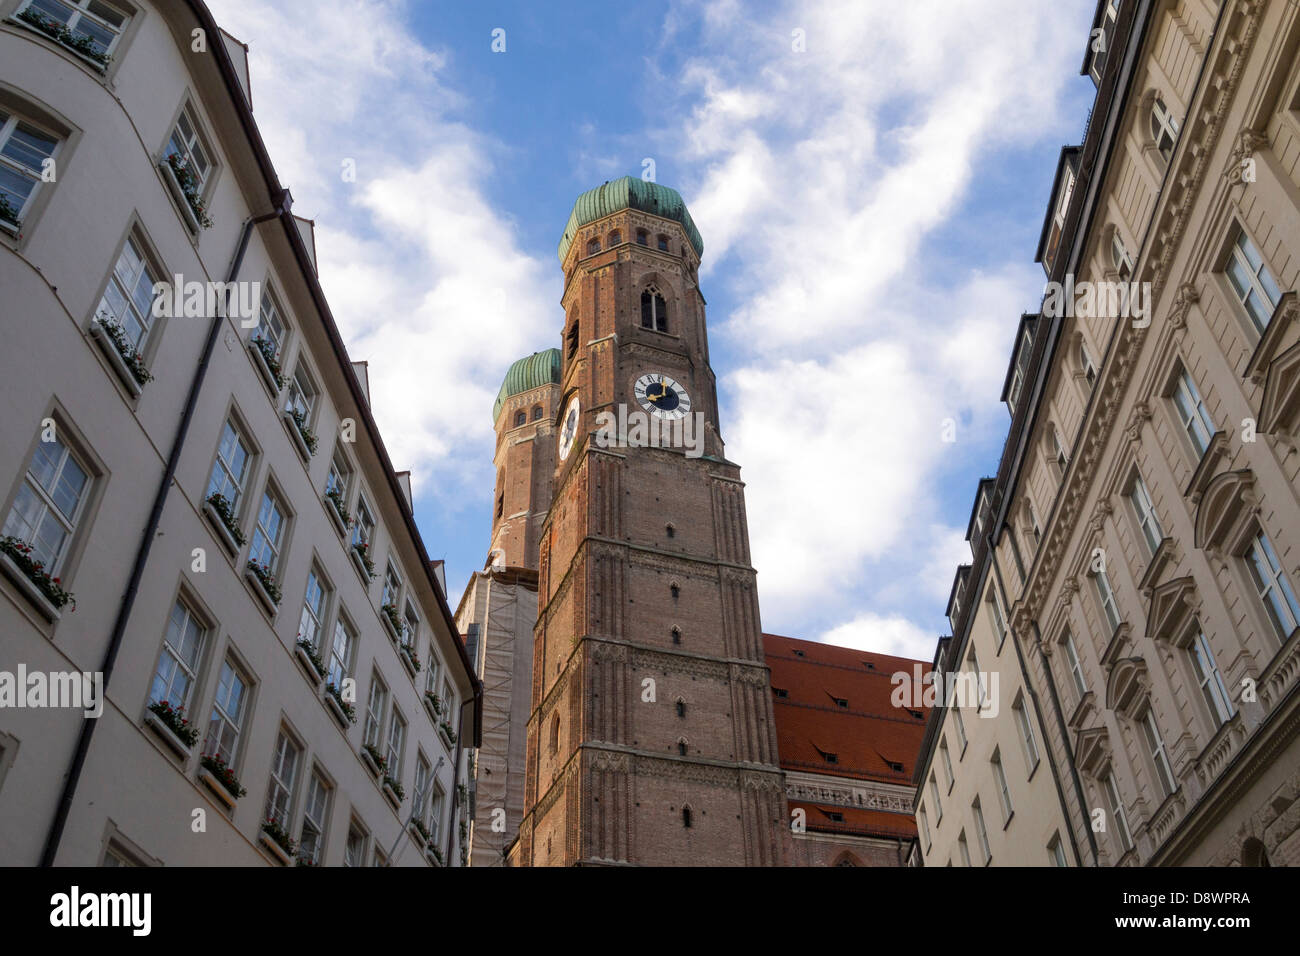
<point>651,738</point>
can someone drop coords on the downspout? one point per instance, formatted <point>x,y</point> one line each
<point>1065,739</point>
<point>73,776</point>
<point>455,770</point>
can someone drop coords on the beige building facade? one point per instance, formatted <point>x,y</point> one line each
<point>248,584</point>
<point>1144,525</point>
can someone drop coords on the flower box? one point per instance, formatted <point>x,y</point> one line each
<point>433,855</point>
<point>344,713</point>
<point>220,779</point>
<point>166,734</point>
<point>302,436</point>
<point>268,365</point>
<point>334,505</point>
<point>418,833</point>
<point>30,590</point>
<point>362,560</point>
<point>182,200</point>
<point>393,791</point>
<point>433,706</point>
<point>125,360</point>
<point>392,623</point>
<point>280,845</point>
<point>375,761</point>
<point>446,733</point>
<point>310,661</point>
<point>264,586</point>
<point>409,659</point>
<point>78,45</point>
<point>222,518</point>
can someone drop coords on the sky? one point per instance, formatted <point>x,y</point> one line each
<point>870,179</point>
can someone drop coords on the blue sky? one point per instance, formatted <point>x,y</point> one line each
<point>870,205</point>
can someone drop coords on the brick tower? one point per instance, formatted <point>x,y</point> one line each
<point>651,738</point>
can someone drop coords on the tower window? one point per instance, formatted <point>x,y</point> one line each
<point>676,592</point>
<point>501,504</point>
<point>663,243</point>
<point>572,339</point>
<point>642,237</point>
<point>615,238</point>
<point>521,417</point>
<point>677,634</point>
<point>555,733</point>
<point>593,247</point>
<point>670,530</point>
<point>686,817</point>
<point>681,709</point>
<point>681,747</point>
<point>537,413</point>
<point>654,310</point>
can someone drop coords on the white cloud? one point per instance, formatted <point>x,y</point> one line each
<point>893,634</point>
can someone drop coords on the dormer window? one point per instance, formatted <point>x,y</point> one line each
<point>780,693</point>
<point>654,310</point>
<point>1101,39</point>
<point>1018,373</point>
<point>1058,217</point>
<point>840,702</point>
<point>1164,129</point>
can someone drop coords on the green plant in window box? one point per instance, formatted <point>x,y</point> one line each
<point>216,765</point>
<point>226,512</point>
<point>378,758</point>
<point>175,720</point>
<point>20,552</point>
<point>8,212</point>
<point>349,711</point>
<point>308,436</point>
<point>266,348</point>
<point>267,579</point>
<point>280,835</point>
<point>189,184</point>
<point>310,650</point>
<point>130,354</point>
<point>59,33</point>
<point>336,498</point>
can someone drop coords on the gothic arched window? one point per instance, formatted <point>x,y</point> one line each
<point>555,733</point>
<point>614,239</point>
<point>654,310</point>
<point>537,413</point>
<point>520,417</point>
<point>593,247</point>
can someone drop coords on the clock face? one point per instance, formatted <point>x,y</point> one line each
<point>569,427</point>
<point>661,396</point>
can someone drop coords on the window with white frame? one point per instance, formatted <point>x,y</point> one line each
<point>25,149</point>
<point>396,744</point>
<point>363,527</point>
<point>1156,750</point>
<point>1192,413</point>
<point>128,298</point>
<point>226,724</point>
<point>354,851</point>
<point>1056,852</point>
<point>178,663</point>
<point>1145,511</point>
<point>1272,586</point>
<point>412,620</point>
<point>187,145</point>
<point>1106,594</point>
<point>1119,817</point>
<point>418,808</point>
<point>448,699</point>
<point>339,478</point>
<point>284,774</point>
<point>436,805</point>
<point>1164,128</point>
<point>230,470</point>
<point>1087,364</point>
<point>270,324</point>
<point>93,21</point>
<point>1120,257</point>
<point>392,586</point>
<point>1074,665</point>
<point>268,533</point>
<point>960,727</point>
<point>962,849</point>
<point>999,617</point>
<point>1100,47</point>
<point>1059,213</point>
<point>1058,451</point>
<point>977,676</point>
<point>934,798</point>
<point>311,625</point>
<point>375,707</point>
<point>1027,739</point>
<point>1035,528</point>
<point>315,816</point>
<point>380,858</point>
<point>340,662</point>
<point>1251,280</point>
<point>1209,679</point>
<point>301,398</point>
<point>435,670</point>
<point>1000,780</point>
<point>947,764</point>
<point>49,504</point>
<point>981,832</point>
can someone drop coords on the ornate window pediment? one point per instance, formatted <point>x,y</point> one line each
<point>1279,411</point>
<point>1126,691</point>
<point>1092,751</point>
<point>1173,604</point>
<point>1225,509</point>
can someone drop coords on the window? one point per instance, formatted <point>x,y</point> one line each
<point>1272,586</point>
<point>311,623</point>
<point>521,418</point>
<point>999,617</point>
<point>537,413</point>
<point>91,20</point>
<point>614,239</point>
<point>841,703</point>
<point>49,504</point>
<point>268,533</point>
<point>354,851</point>
<point>338,479</point>
<point>1056,852</point>
<point>363,527</point>
<point>1058,451</point>
<point>654,310</point>
<point>686,817</point>
<point>1106,594</point>
<point>1156,750</point>
<point>1035,529</point>
<point>1164,128</point>
<point>593,247</point>
<point>828,757</point>
<point>1101,42</point>
<point>179,661</point>
<point>1118,817</point>
<point>301,399</point>
<point>1119,256</point>
<point>1087,364</point>
<point>128,298</point>
<point>186,144</point>
<point>340,663</point>
<point>960,727</point>
<point>1058,217</point>
<point>1004,792</point>
<point>375,706</point>
<point>1026,734</point>
<point>962,849</point>
<point>412,621</point>
<point>431,681</point>
<point>681,747</point>
<point>284,774</point>
<point>934,798</point>
<point>642,237</point>
<point>663,243</point>
<point>1192,413</point>
<point>115,854</point>
<point>270,326</point>
<point>981,686</point>
<point>231,467</point>
<point>981,832</point>
<point>421,787</point>
<point>1018,372</point>
<point>947,764</point>
<point>555,733</point>
<point>435,810</point>
<point>1209,679</point>
<point>1251,280</point>
<point>392,586</point>
<point>780,693</point>
<point>925,827</point>
<point>315,814</point>
<point>24,149</point>
<point>380,858</point>
<point>681,708</point>
<point>227,721</point>
<point>1146,513</point>
<point>571,340</point>
<point>396,745</point>
<point>1075,666</point>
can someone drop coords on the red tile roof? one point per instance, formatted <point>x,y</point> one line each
<point>864,737</point>
<point>854,821</point>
